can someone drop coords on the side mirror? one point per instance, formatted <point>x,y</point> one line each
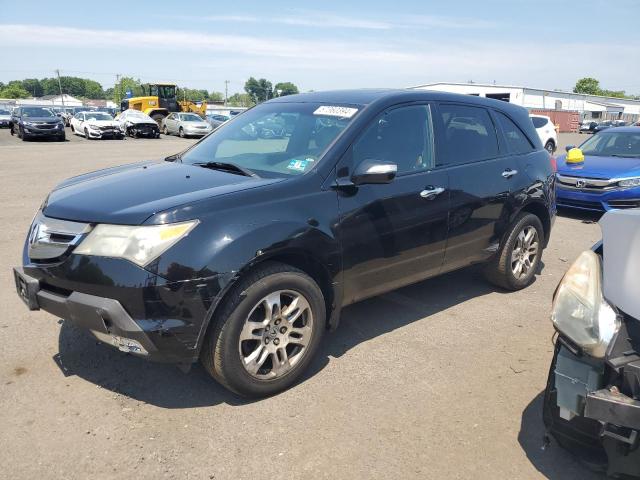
<point>569,147</point>
<point>374,171</point>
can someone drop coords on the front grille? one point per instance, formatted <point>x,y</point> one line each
<point>107,129</point>
<point>44,126</point>
<point>627,203</point>
<point>564,202</point>
<point>585,184</point>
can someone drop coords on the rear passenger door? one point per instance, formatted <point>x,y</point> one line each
<point>480,178</point>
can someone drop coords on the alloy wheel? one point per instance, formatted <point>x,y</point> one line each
<point>276,334</point>
<point>525,252</point>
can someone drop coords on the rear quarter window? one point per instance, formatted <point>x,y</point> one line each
<point>539,122</point>
<point>517,141</point>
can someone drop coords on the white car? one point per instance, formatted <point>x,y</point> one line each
<point>137,124</point>
<point>546,131</point>
<point>95,125</point>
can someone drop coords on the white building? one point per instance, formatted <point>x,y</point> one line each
<point>589,106</point>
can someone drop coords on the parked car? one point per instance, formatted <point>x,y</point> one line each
<point>588,126</point>
<point>216,120</point>
<point>137,124</point>
<point>546,131</point>
<point>5,118</point>
<point>603,126</point>
<point>609,176</point>
<point>592,399</point>
<point>95,125</point>
<point>69,113</point>
<point>36,122</point>
<point>185,125</point>
<point>619,123</point>
<point>241,252</point>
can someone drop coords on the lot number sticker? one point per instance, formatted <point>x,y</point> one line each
<point>334,111</point>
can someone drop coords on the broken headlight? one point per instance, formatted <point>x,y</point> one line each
<point>580,311</point>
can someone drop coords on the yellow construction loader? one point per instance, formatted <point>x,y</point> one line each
<point>159,100</point>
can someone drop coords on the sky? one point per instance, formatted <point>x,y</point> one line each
<point>326,45</point>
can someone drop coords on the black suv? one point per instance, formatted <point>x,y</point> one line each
<point>242,250</point>
<point>36,122</point>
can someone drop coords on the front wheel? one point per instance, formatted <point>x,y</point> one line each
<point>165,130</point>
<point>181,132</point>
<point>266,332</point>
<point>517,261</point>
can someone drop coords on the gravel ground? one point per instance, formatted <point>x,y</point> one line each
<point>439,380</point>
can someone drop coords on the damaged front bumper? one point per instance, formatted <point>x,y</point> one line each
<point>592,407</point>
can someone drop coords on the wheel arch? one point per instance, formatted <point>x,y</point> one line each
<point>541,211</point>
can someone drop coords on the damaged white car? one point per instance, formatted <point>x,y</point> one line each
<point>94,125</point>
<point>592,400</point>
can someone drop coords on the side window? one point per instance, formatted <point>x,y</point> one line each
<point>403,136</point>
<point>469,134</point>
<point>517,142</point>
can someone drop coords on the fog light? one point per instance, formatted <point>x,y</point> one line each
<point>123,344</point>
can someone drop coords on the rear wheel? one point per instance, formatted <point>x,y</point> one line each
<point>517,261</point>
<point>550,147</point>
<point>267,331</point>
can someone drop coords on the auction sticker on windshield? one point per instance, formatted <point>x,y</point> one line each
<point>335,111</point>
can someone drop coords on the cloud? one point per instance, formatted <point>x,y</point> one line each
<point>309,19</point>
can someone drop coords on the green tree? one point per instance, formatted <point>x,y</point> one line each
<point>285,88</point>
<point>588,85</point>
<point>33,86</point>
<point>14,91</point>
<point>127,84</point>
<point>216,97</point>
<point>259,90</point>
<point>93,90</point>
<point>240,100</point>
<point>192,94</point>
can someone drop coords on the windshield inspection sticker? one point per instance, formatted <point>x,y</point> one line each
<point>298,165</point>
<point>334,111</point>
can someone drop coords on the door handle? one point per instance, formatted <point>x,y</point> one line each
<point>508,173</point>
<point>431,192</point>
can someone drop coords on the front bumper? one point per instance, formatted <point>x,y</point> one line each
<point>597,202</point>
<point>113,133</point>
<point>590,416</point>
<point>197,132</point>
<point>123,305</point>
<point>44,132</point>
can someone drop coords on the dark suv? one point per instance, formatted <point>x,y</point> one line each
<point>242,250</point>
<point>36,122</point>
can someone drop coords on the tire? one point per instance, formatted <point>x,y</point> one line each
<point>62,138</point>
<point>158,117</point>
<point>86,134</point>
<point>181,133</point>
<point>72,129</point>
<point>165,130</point>
<point>224,353</point>
<point>502,269</point>
<point>550,147</point>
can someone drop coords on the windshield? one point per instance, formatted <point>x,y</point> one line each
<point>274,140</point>
<point>190,117</point>
<point>37,112</point>
<point>613,144</point>
<point>98,116</point>
<point>138,115</point>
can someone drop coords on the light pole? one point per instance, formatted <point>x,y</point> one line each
<point>60,87</point>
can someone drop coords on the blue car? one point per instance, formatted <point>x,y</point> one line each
<point>609,177</point>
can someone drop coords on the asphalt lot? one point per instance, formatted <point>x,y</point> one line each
<point>439,380</point>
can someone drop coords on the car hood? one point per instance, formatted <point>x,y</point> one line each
<point>41,119</point>
<point>600,167</point>
<point>103,123</point>
<point>5,117</point>
<point>140,121</point>
<point>130,194</point>
<point>621,256</point>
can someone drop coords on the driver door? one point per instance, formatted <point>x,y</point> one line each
<point>393,234</point>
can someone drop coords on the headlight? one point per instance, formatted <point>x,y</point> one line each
<point>95,127</point>
<point>28,124</point>
<point>140,245</point>
<point>630,182</point>
<point>579,310</point>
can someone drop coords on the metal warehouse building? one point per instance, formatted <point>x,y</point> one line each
<point>588,106</point>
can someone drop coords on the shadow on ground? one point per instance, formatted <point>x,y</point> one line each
<point>165,386</point>
<point>553,462</point>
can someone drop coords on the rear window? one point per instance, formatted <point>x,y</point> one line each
<point>517,141</point>
<point>469,134</point>
<point>539,122</point>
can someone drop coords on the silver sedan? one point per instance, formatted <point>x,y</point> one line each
<point>185,125</point>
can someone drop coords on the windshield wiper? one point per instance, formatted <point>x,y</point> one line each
<point>227,167</point>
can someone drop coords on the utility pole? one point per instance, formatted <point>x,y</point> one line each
<point>226,92</point>
<point>117,90</point>
<point>60,87</point>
